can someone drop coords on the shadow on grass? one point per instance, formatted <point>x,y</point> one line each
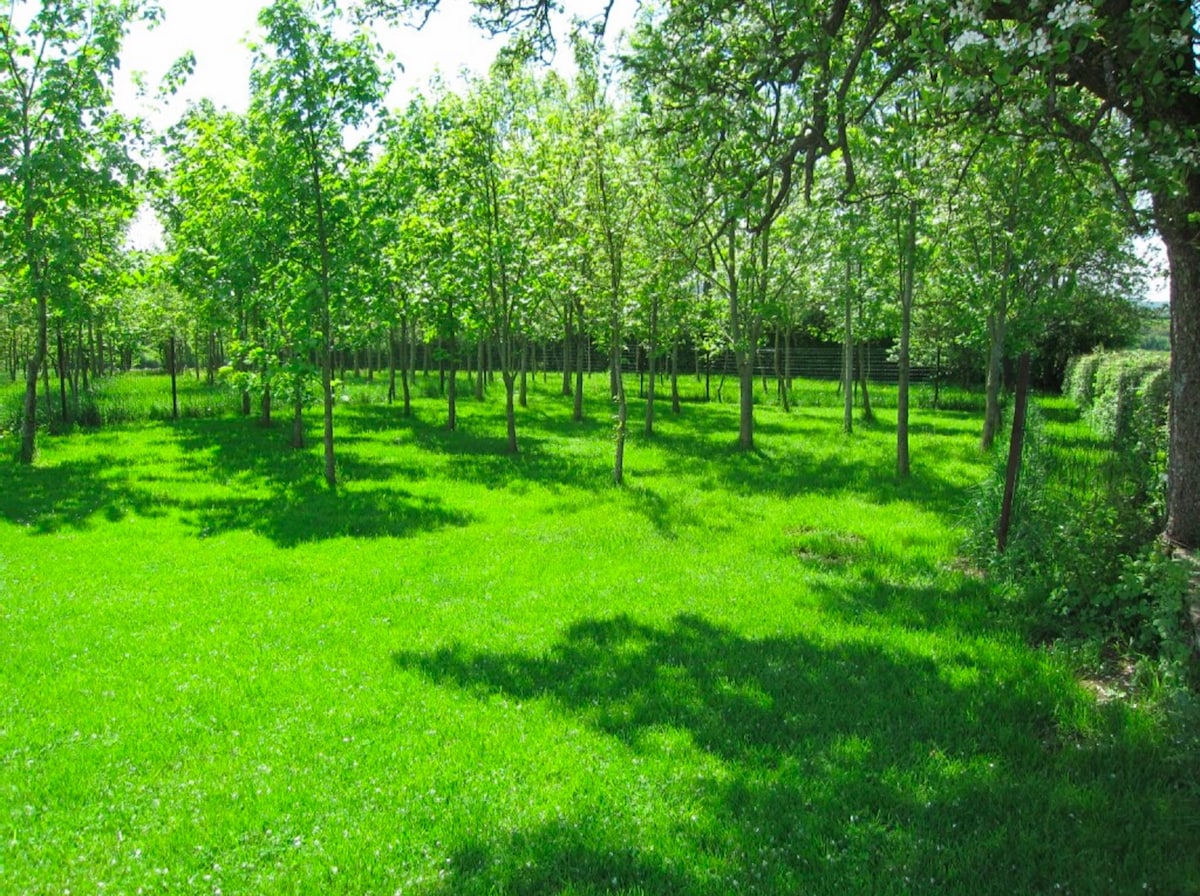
<point>801,455</point>
<point>72,495</point>
<point>843,767</point>
<point>297,505</point>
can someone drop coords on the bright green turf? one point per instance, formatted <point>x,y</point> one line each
<point>469,673</point>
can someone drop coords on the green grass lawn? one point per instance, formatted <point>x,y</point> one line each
<point>467,673</point>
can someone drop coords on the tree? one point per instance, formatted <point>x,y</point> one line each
<point>310,87</point>
<point>211,216</point>
<point>62,150</point>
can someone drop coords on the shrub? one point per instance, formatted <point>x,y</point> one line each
<point>1082,559</point>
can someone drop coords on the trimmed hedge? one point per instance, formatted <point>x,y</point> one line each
<point>1124,395</point>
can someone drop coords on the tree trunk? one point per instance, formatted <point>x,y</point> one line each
<point>408,363</point>
<point>908,254</point>
<point>568,343</point>
<point>745,365</point>
<point>1017,440</point>
<point>510,411</point>
<point>675,408</point>
<point>618,383</point>
<point>62,371</point>
<point>452,394</point>
<point>863,376</point>
<point>523,388</point>
<point>481,363</point>
<point>1181,235</point>
<point>29,418</point>
<point>392,353</point>
<point>298,414</point>
<point>995,376</point>
<point>652,364</point>
<point>580,364</point>
<point>847,355</point>
<point>780,379</point>
<point>174,377</point>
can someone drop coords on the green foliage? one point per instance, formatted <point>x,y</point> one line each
<point>1082,560</point>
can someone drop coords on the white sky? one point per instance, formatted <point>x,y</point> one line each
<point>217,31</point>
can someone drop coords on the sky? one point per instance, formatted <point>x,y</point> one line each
<point>217,31</point>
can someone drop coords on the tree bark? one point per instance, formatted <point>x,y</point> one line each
<point>1016,442</point>
<point>510,411</point>
<point>848,355</point>
<point>171,363</point>
<point>1181,234</point>
<point>29,418</point>
<point>995,375</point>
<point>675,408</point>
<point>908,254</point>
<point>651,360</point>
<point>618,383</point>
<point>580,362</point>
<point>568,344</point>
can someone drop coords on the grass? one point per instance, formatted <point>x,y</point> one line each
<point>465,673</point>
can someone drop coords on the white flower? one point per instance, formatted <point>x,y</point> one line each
<point>967,39</point>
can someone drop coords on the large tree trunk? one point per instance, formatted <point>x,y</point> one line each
<point>1181,235</point>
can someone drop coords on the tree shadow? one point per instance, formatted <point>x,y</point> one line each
<point>72,495</point>
<point>844,766</point>
<point>285,498</point>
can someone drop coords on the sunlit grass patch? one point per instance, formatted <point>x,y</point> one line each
<point>467,673</point>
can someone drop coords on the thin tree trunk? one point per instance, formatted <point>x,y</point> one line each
<point>408,362</point>
<point>780,378</point>
<point>908,257</point>
<point>452,394</point>
<point>298,415</point>
<point>848,354</point>
<point>171,363</point>
<point>29,418</point>
<point>1013,469</point>
<point>864,372</point>
<point>481,363</point>
<point>580,363</point>
<point>568,343</point>
<point>995,376</point>
<point>523,388</point>
<point>392,352</point>
<point>675,406</point>
<point>622,414</point>
<point>652,364</point>
<point>62,371</point>
<point>510,412</point>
